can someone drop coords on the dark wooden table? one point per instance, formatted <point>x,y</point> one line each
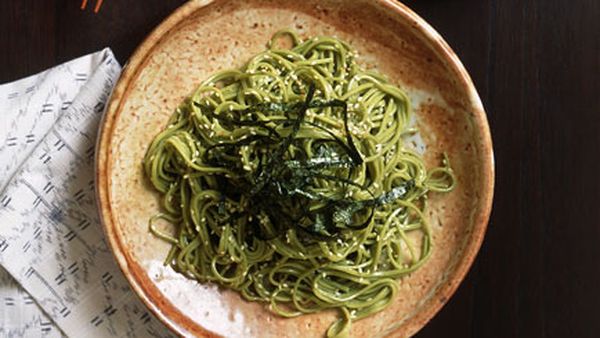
<point>536,64</point>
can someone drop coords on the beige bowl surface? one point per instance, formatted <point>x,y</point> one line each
<point>205,36</point>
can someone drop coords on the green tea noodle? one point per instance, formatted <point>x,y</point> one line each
<point>289,181</point>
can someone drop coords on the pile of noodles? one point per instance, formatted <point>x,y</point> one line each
<point>289,181</point>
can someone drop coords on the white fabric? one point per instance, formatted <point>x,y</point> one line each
<point>58,276</point>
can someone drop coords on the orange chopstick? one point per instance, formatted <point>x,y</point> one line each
<point>98,4</point>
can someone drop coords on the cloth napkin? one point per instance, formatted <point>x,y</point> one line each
<point>57,274</point>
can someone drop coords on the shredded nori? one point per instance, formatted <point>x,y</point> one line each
<point>281,188</point>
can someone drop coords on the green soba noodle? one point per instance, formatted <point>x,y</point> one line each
<point>289,181</point>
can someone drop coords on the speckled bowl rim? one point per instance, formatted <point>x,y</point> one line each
<point>181,324</point>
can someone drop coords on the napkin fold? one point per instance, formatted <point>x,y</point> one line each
<point>58,276</point>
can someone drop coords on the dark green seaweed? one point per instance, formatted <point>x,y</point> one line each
<point>281,188</point>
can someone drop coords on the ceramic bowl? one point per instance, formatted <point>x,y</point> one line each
<point>202,37</point>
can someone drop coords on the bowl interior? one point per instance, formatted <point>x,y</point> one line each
<point>203,37</point>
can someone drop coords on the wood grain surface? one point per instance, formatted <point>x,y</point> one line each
<point>536,64</point>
